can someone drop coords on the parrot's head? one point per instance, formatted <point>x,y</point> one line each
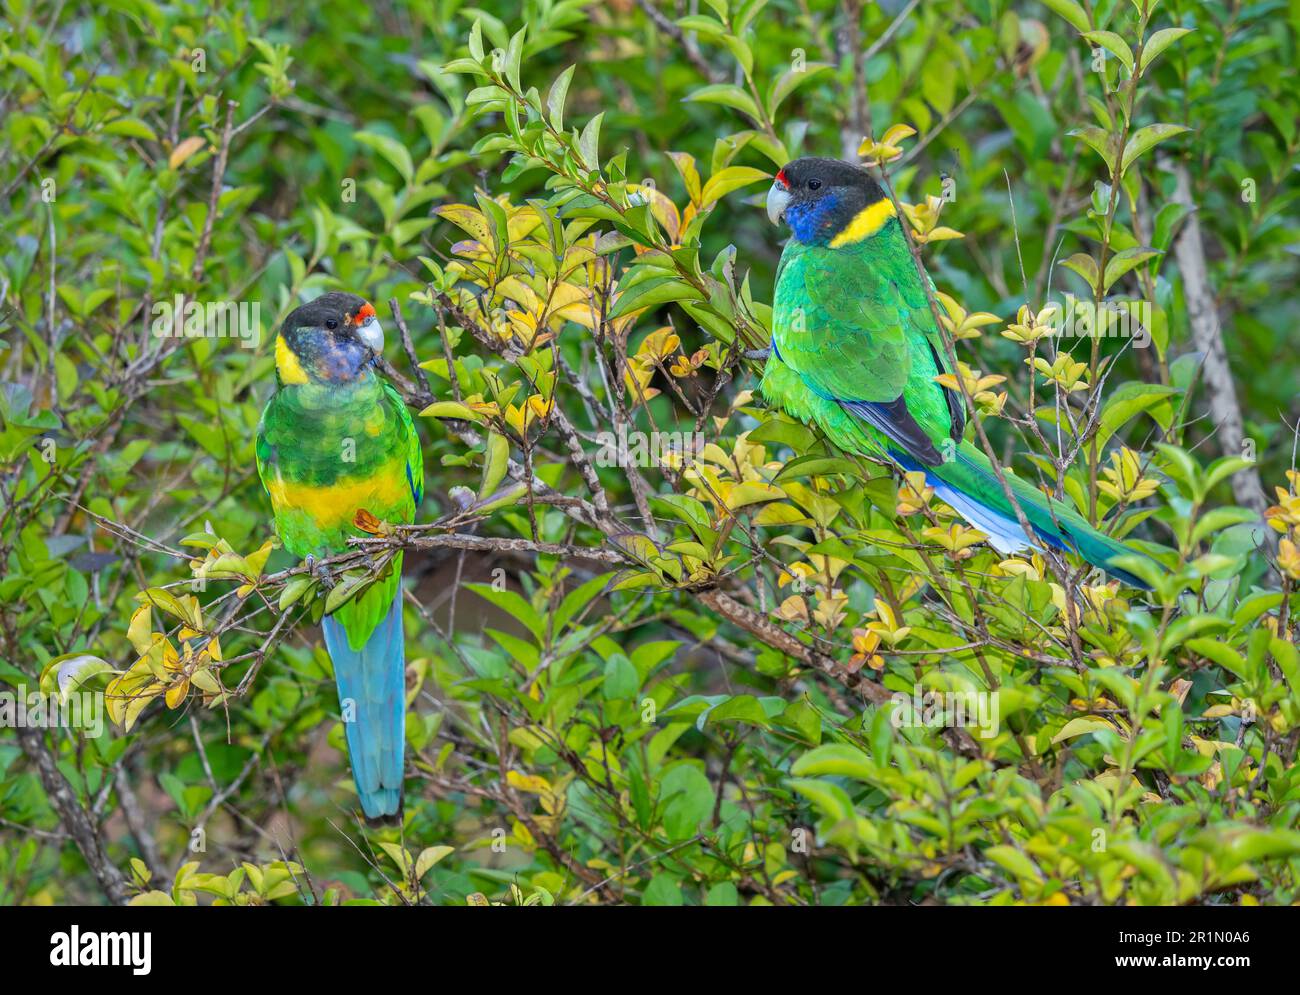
<point>334,339</point>
<point>827,202</point>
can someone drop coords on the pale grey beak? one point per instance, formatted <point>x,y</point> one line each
<point>371,332</point>
<point>777,200</point>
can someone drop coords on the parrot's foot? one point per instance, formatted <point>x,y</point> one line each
<point>757,353</point>
<point>319,570</point>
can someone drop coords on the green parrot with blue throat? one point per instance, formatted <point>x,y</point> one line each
<point>855,352</point>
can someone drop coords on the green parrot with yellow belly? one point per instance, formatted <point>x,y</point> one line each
<point>336,439</point>
<point>856,352</point>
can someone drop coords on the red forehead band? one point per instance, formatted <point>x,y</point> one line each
<point>366,310</point>
<point>780,178</point>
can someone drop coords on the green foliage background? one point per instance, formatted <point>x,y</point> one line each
<point>681,692</point>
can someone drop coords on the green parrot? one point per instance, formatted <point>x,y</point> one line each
<point>336,439</point>
<point>855,351</point>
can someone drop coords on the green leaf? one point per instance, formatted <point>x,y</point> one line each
<point>344,590</point>
<point>1222,654</point>
<point>1145,139</point>
<point>496,460</point>
<point>555,99</point>
<point>515,605</point>
<point>1099,141</point>
<point>830,799</point>
<point>1114,44</point>
<point>1082,727</point>
<point>732,178</point>
<point>808,466</point>
<point>392,150</point>
<point>803,719</point>
<point>653,293</point>
<point>621,678</point>
<point>70,671</point>
<point>727,95</point>
<point>514,58</point>
<point>702,24</point>
<point>687,798</point>
<point>741,50</point>
<point>578,599</point>
<point>589,142</point>
<point>838,759</point>
<point>294,590</point>
<point>1013,860</point>
<point>1125,403</point>
<point>723,893</point>
<point>788,82</point>
<point>1072,12</point>
<point>782,432</point>
<point>1122,262</point>
<point>1084,265</point>
<point>130,127</point>
<point>663,890</point>
<point>741,708</point>
<point>1218,519</point>
<point>1157,43</point>
<point>450,409</point>
<point>429,856</point>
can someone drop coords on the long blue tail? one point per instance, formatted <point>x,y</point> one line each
<point>372,696</point>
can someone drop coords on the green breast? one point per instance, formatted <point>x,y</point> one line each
<point>854,324</point>
<point>326,452</point>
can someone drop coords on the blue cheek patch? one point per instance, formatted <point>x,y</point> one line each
<point>812,222</point>
<point>330,359</point>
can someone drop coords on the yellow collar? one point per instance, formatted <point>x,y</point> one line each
<point>866,223</point>
<point>287,364</point>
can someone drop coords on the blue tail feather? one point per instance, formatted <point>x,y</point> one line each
<point>1054,524</point>
<point>372,692</point>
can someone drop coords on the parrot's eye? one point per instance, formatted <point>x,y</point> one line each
<point>331,323</point>
<point>814,184</point>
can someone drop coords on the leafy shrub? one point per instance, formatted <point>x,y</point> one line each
<point>687,679</point>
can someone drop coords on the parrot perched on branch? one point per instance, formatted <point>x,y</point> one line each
<point>855,351</point>
<point>334,440</point>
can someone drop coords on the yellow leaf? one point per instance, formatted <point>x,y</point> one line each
<point>732,178</point>
<point>450,409</point>
<point>753,492</point>
<point>896,133</point>
<point>528,782</point>
<point>429,856</point>
<point>139,630</point>
<point>184,150</point>
<point>177,692</point>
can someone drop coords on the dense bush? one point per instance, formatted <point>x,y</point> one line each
<point>682,681</point>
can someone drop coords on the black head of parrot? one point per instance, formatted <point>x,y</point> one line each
<point>820,198</point>
<point>332,339</point>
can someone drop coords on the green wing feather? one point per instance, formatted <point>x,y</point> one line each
<point>854,324</point>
